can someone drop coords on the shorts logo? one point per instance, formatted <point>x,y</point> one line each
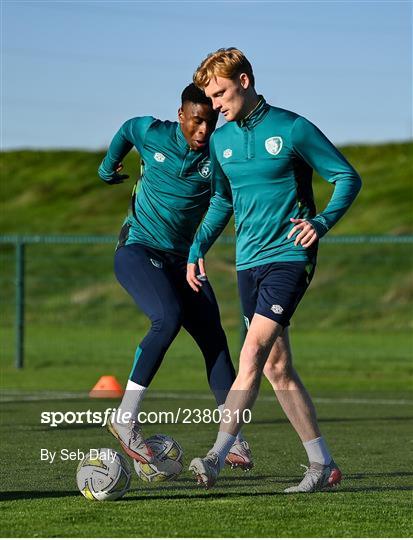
<point>158,264</point>
<point>227,153</point>
<point>247,322</point>
<point>277,309</point>
<point>204,168</point>
<point>159,157</point>
<point>273,145</point>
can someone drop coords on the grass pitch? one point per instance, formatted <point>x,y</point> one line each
<point>352,342</point>
<point>352,348</point>
<point>370,437</point>
<point>361,382</point>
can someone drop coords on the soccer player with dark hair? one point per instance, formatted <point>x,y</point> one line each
<point>263,160</point>
<point>151,255</point>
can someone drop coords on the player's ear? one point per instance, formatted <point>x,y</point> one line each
<point>180,115</point>
<point>244,80</point>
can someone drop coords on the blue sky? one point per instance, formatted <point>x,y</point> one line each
<point>72,72</point>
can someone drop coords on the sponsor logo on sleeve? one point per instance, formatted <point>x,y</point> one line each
<point>273,145</point>
<point>277,309</point>
<point>227,153</point>
<point>159,157</point>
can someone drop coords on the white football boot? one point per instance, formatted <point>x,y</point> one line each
<point>131,439</point>
<point>206,469</point>
<point>239,456</point>
<point>317,477</point>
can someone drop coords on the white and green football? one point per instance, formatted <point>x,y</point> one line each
<point>103,475</point>
<point>168,460</point>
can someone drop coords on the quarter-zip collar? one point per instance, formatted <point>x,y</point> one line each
<point>256,115</point>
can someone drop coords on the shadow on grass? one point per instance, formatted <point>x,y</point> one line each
<point>195,492</point>
<point>198,493</point>
<point>17,495</point>
<point>248,493</point>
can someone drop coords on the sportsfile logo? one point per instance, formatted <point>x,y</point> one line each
<point>179,416</point>
<point>56,418</point>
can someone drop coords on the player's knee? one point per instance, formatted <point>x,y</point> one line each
<point>279,373</point>
<point>213,340</point>
<point>249,372</point>
<point>168,325</point>
<point>252,352</point>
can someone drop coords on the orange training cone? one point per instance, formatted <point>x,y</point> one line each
<point>107,387</point>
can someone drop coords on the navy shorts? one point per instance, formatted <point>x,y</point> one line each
<point>274,290</point>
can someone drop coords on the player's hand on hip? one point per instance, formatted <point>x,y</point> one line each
<point>119,178</point>
<point>195,274</point>
<point>307,234</point>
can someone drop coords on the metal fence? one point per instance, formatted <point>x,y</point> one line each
<point>62,281</point>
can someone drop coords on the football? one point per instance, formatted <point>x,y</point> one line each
<point>168,460</point>
<point>103,475</point>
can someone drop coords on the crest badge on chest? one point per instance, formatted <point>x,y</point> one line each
<point>204,168</point>
<point>273,145</point>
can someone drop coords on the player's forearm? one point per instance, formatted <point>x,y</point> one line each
<point>214,222</point>
<point>345,191</point>
<point>318,152</point>
<point>117,150</point>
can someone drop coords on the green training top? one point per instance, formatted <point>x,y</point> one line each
<point>175,185</point>
<point>263,165</point>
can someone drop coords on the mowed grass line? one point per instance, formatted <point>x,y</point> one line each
<point>72,358</point>
<point>369,441</point>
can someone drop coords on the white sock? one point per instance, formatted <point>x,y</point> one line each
<point>239,436</point>
<point>317,451</point>
<point>132,399</point>
<point>222,445</point>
